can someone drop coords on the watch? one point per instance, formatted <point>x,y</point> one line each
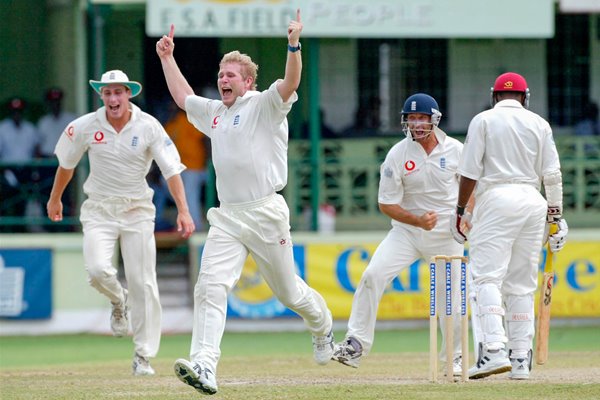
<point>294,49</point>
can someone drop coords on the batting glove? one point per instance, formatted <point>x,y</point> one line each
<point>455,225</point>
<point>558,240</point>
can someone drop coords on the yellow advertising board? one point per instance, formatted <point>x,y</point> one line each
<point>334,270</point>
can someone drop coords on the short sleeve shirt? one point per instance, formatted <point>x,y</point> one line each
<point>421,182</point>
<point>119,162</point>
<point>508,144</point>
<point>50,128</point>
<point>249,142</point>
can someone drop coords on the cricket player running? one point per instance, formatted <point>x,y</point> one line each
<point>249,134</point>
<point>121,141</point>
<point>509,151</point>
<point>418,189</point>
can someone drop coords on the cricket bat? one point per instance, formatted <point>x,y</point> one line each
<point>543,322</point>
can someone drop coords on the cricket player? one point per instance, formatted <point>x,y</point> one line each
<point>249,134</point>
<point>417,190</point>
<point>509,151</point>
<point>121,142</point>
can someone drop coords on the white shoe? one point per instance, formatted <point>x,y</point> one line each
<point>201,379</point>
<point>520,367</point>
<point>323,348</point>
<point>141,366</point>
<point>456,366</point>
<point>119,323</point>
<point>490,362</point>
<point>348,352</point>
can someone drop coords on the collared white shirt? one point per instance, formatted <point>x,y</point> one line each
<point>17,143</point>
<point>50,128</point>
<point>119,162</point>
<point>249,142</point>
<point>419,182</point>
<point>508,144</point>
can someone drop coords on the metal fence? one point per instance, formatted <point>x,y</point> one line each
<point>349,179</point>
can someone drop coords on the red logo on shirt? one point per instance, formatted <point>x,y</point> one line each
<point>98,136</point>
<point>216,121</point>
<point>409,165</point>
<point>70,131</point>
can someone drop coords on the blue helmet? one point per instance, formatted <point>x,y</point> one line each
<point>420,103</point>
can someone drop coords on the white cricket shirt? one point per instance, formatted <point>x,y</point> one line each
<point>508,144</point>
<point>419,182</point>
<point>17,143</point>
<point>249,142</point>
<point>119,162</point>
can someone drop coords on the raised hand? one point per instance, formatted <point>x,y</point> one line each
<point>166,45</point>
<point>294,29</point>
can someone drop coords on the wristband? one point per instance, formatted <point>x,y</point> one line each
<point>293,49</point>
<point>460,210</point>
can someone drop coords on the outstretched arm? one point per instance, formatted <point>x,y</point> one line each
<point>293,65</point>
<point>178,85</point>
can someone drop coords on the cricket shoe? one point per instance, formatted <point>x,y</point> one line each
<point>193,374</point>
<point>348,352</point>
<point>141,366</point>
<point>490,362</point>
<point>119,323</point>
<point>323,348</point>
<point>520,366</point>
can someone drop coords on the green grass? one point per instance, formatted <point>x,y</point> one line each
<point>280,366</point>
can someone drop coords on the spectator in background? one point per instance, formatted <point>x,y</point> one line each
<point>590,124</point>
<point>51,125</point>
<point>192,146</point>
<point>366,120</point>
<point>19,140</point>
<point>18,137</point>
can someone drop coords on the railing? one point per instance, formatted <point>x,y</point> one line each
<point>349,179</point>
<point>350,176</point>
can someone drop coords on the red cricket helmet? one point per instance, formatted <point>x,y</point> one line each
<point>510,82</point>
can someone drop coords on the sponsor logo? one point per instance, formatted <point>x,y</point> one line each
<point>409,165</point>
<point>99,137</point>
<point>216,121</point>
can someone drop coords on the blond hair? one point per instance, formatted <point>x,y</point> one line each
<point>249,68</point>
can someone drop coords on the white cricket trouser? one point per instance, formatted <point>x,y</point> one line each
<point>505,243</point>
<point>401,247</point>
<point>132,223</point>
<point>259,228</point>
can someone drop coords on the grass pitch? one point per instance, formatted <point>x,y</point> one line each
<point>280,366</point>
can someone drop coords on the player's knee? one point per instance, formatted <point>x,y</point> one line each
<point>98,272</point>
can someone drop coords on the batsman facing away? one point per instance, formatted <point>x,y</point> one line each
<point>508,153</point>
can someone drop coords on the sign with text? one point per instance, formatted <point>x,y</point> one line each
<point>25,283</point>
<point>353,18</point>
<point>335,269</point>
